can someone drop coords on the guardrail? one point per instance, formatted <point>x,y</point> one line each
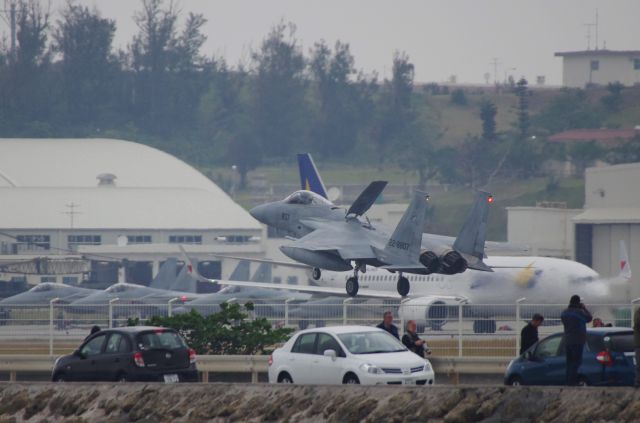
<point>255,364</point>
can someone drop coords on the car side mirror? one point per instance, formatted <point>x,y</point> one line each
<point>528,355</point>
<point>79,354</point>
<point>330,353</point>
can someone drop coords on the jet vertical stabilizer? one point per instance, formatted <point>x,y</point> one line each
<point>472,236</point>
<point>625,267</point>
<point>310,179</point>
<point>185,282</point>
<point>166,274</point>
<point>263,273</point>
<point>403,247</point>
<point>241,272</point>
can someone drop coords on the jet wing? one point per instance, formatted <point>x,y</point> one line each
<point>344,238</point>
<point>366,198</point>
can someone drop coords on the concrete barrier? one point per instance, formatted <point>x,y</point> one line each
<point>451,367</point>
<point>138,402</point>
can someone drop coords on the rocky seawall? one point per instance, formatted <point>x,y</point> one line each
<point>139,402</point>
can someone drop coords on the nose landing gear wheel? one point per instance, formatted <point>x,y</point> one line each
<point>316,273</point>
<point>352,286</point>
<point>403,286</point>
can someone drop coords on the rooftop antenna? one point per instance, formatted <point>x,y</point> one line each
<point>589,25</point>
<point>596,29</point>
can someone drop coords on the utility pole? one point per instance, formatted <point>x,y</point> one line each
<point>495,62</point>
<point>589,26</point>
<point>72,212</point>
<point>596,29</point>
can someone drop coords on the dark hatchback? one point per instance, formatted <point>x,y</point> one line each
<point>608,359</point>
<point>138,353</point>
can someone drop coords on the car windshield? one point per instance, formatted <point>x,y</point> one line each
<point>307,197</point>
<point>370,342</point>
<point>159,339</point>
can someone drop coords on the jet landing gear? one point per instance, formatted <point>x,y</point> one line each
<point>403,286</point>
<point>352,283</point>
<point>316,273</point>
<point>352,286</point>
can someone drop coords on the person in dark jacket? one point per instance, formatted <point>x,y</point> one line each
<point>412,341</point>
<point>529,334</point>
<point>636,344</point>
<point>575,319</point>
<point>387,324</point>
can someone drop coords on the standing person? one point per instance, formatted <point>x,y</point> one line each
<point>387,324</point>
<point>636,344</point>
<point>529,334</point>
<point>575,319</point>
<point>412,341</point>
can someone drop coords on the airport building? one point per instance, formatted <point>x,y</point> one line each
<point>592,235</point>
<point>111,200</point>
<point>601,67</point>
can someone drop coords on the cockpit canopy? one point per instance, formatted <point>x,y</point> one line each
<point>307,197</point>
<point>118,287</point>
<point>43,287</point>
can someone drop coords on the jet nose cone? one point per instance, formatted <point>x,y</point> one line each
<point>260,213</point>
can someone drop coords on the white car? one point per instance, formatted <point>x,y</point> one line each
<point>348,354</point>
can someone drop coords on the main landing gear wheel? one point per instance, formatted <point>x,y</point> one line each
<point>352,286</point>
<point>316,273</point>
<point>403,286</point>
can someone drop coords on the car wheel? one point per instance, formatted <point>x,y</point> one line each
<point>583,381</point>
<point>285,378</point>
<point>515,380</point>
<point>351,379</point>
<point>59,377</point>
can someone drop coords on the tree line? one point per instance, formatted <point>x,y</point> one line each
<point>66,79</point>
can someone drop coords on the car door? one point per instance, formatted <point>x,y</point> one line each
<point>301,358</point>
<point>325,370</point>
<point>547,364</point>
<point>113,361</point>
<point>87,367</point>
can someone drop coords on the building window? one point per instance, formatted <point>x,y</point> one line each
<point>75,240</point>
<point>48,279</point>
<point>138,239</point>
<point>636,64</point>
<point>595,65</point>
<point>185,239</point>
<point>70,280</point>
<point>32,243</point>
<point>234,239</point>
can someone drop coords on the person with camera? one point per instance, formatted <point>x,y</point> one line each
<point>575,319</point>
<point>412,341</point>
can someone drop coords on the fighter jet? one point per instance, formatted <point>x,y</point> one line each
<point>331,238</point>
<point>43,293</point>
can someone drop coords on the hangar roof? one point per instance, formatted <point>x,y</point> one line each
<point>39,178</point>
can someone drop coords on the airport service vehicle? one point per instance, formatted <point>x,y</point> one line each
<point>138,353</point>
<point>348,355</point>
<point>608,359</point>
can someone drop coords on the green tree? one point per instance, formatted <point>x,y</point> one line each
<point>279,103</point>
<point>522,92</point>
<point>488,112</point>
<point>229,331</point>
<point>458,97</point>
<point>613,101</point>
<point>569,110</point>
<point>84,40</point>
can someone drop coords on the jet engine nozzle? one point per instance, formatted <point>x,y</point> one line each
<point>452,262</point>
<point>430,260</point>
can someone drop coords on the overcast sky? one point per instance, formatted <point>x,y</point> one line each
<point>442,38</point>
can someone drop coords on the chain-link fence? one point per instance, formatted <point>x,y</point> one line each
<point>450,329</point>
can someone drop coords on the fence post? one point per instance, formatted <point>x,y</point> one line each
<point>460,304</point>
<point>51,303</point>
<point>286,311</point>
<point>170,306</point>
<point>634,304</point>
<point>111,301</point>
<point>345,302</point>
<point>518,302</point>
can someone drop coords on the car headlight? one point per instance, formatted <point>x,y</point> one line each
<point>427,366</point>
<point>371,368</point>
